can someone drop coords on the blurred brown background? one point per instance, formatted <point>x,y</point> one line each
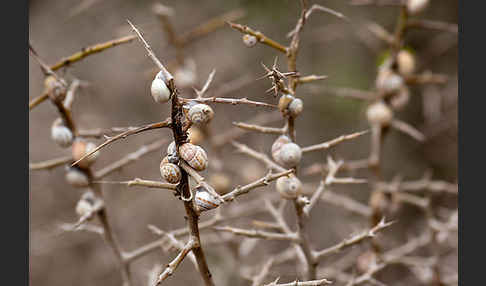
<point>119,95</point>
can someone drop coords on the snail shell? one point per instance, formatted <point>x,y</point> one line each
<point>289,187</point>
<point>170,172</point>
<point>295,107</point>
<point>194,155</point>
<point>406,62</point>
<point>389,81</point>
<point>61,134</point>
<point>416,6</point>
<point>200,113</point>
<point>85,204</point>
<point>284,101</point>
<point>379,113</point>
<point>204,201</point>
<point>281,140</point>
<point>80,148</point>
<point>76,178</point>
<point>159,90</point>
<point>249,40</point>
<point>289,155</point>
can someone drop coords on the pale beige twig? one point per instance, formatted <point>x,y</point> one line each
<point>163,124</point>
<point>143,183</point>
<point>200,93</point>
<point>225,100</point>
<point>259,156</point>
<point>333,142</point>
<point>258,233</point>
<point>368,234</point>
<point>262,182</point>
<point>50,164</point>
<point>258,279</point>
<point>301,283</point>
<point>261,129</point>
<point>408,129</point>
<point>129,158</point>
<point>175,263</point>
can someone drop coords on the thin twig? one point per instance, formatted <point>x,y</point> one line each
<point>163,124</point>
<point>91,50</point>
<point>368,234</point>
<point>129,158</point>
<point>238,191</point>
<point>333,142</point>
<point>49,164</point>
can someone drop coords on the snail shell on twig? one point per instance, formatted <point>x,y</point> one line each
<point>194,155</point>
<point>204,200</point>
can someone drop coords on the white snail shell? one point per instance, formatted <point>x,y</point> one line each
<point>159,90</point>
<point>416,6</point>
<point>288,155</point>
<point>76,178</point>
<point>204,200</point>
<point>61,134</point>
<point>81,148</point>
<point>200,113</point>
<point>295,107</point>
<point>406,62</point>
<point>289,187</point>
<point>249,40</point>
<point>281,140</point>
<point>284,101</point>
<point>379,113</point>
<point>389,81</point>
<point>85,204</point>
<point>194,155</point>
<point>170,172</point>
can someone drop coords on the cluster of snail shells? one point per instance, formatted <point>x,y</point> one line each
<point>249,40</point>
<point>289,187</point>
<point>199,113</point>
<point>61,134</point>
<point>288,103</point>
<point>378,113</point>
<point>86,204</point>
<point>76,178</point>
<point>80,148</point>
<point>204,200</point>
<point>285,152</point>
<point>159,90</point>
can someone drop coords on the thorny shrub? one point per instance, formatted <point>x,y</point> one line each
<point>193,169</point>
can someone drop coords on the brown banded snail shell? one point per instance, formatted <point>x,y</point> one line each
<point>204,201</point>
<point>170,172</point>
<point>194,155</point>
